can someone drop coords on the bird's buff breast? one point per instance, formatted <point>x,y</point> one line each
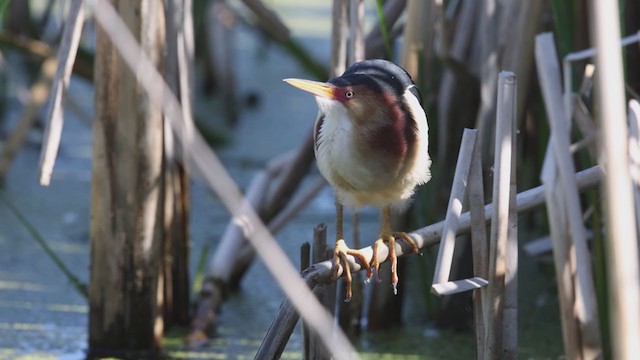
<point>357,180</point>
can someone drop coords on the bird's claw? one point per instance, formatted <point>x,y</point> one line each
<point>340,258</point>
<point>393,258</point>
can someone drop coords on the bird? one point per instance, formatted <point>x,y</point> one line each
<point>371,141</point>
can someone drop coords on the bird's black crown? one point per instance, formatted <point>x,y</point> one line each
<point>377,75</point>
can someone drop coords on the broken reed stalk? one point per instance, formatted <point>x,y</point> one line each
<point>507,107</point>
<point>326,293</point>
<point>479,247</point>
<point>519,26</point>
<point>55,119</point>
<point>621,247</point>
<point>38,96</point>
<point>586,311</point>
<point>305,262</point>
<point>425,237</point>
<point>499,241</point>
<point>454,209</point>
<point>487,30</point>
<point>441,284</point>
<point>556,214</point>
<point>204,162</point>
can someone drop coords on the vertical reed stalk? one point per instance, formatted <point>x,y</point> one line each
<point>622,249</point>
<point>585,307</point>
<point>499,242</point>
<point>480,247</point>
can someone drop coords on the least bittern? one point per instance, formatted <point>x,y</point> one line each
<point>371,144</point>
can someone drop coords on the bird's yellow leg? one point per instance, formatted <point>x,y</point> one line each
<point>389,237</point>
<point>342,250</point>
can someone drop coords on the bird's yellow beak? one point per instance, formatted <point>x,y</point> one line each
<point>317,88</point>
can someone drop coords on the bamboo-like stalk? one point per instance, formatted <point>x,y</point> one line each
<point>54,119</point>
<point>454,209</point>
<point>556,213</point>
<point>38,96</point>
<point>519,23</point>
<point>622,249</point>
<point>585,307</point>
<point>479,247</point>
<point>487,36</point>
<point>510,313</point>
<point>499,242</point>
<point>326,294</point>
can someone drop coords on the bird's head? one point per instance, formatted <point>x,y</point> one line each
<point>372,93</point>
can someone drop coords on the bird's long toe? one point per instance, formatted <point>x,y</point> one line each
<point>390,241</point>
<point>340,259</point>
<point>404,236</point>
<point>393,258</point>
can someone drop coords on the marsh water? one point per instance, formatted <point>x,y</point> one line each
<point>42,316</point>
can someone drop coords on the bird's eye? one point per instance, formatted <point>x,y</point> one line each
<point>348,94</point>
